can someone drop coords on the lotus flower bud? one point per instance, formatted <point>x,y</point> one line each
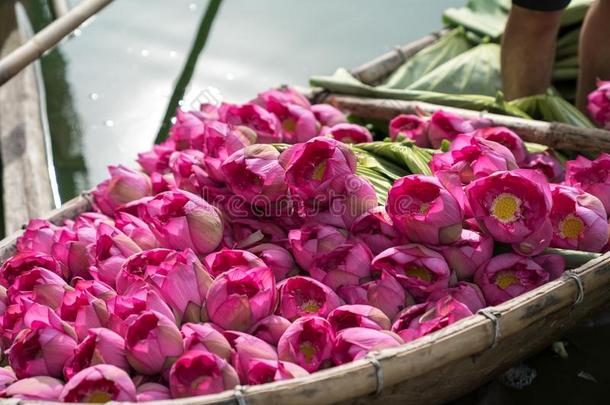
<point>411,127</point>
<point>38,285</point>
<point>205,337</point>
<point>270,329</point>
<point>7,377</point>
<point>153,343</point>
<point>354,343</point>
<point>101,383</point>
<point>327,115</point>
<point>546,164</point>
<point>276,258</point>
<point>308,342</point>
<point>375,228</point>
<point>354,196</point>
<point>473,157</point>
<point>510,206</point>
<point>348,264</point>
<point>85,310</point>
<point>137,230</point>
<point>101,346</point>
<point>199,373</point>
<point>599,104</point>
<point>264,123</point>
<point>353,294</point>
<point>187,129</point>
<point>425,211</point>
<point>300,296</point>
<point>443,125</point>
<point>387,294</point>
<point>26,261</point>
<point>418,269</point>
<point>313,241</point>
<point>141,266</point>
<point>124,185</point>
<point>348,133</point>
<point>40,235</point>
<point>591,176</point>
<point>226,260</point>
<point>156,160</point>
<point>189,173</point>
<point>361,316</point>
<point>221,141</point>
<point>508,275</point>
<point>266,371</point>
<point>467,293</point>
<point>312,166</point>
<point>283,96</point>
<point>42,388</point>
<point>537,241</point>
<point>298,124</point>
<point>246,349</point>
<point>181,220</point>
<point>506,138</point>
<point>423,319</point>
<point>244,233</point>
<point>152,392</point>
<point>467,253</point>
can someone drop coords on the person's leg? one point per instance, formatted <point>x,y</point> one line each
<point>528,50</point>
<point>594,51</point>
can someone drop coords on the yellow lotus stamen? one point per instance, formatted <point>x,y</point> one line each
<point>289,125</point>
<point>308,351</point>
<point>506,208</point>
<point>419,272</point>
<point>99,397</point>
<point>506,278</point>
<point>571,227</point>
<point>318,172</point>
<point>311,306</point>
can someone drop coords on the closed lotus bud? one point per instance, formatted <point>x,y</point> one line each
<point>270,329</point>
<point>308,342</point>
<point>187,129</point>
<point>41,388</point>
<point>506,138</point>
<point>244,233</point>
<point>375,228</point>
<point>348,264</point>
<point>298,124</point>
<point>443,125</point>
<point>124,185</point>
<point>25,261</point>
<point>327,115</point>
<point>152,392</point>
<point>300,296</point>
<point>38,285</point>
<point>199,373</point>
<point>424,210</point>
<point>101,383</point>
<point>205,337</point>
<point>40,235</point>
<point>283,96</point>
<point>348,133</point>
<point>599,104</point>
<point>353,294</point>
<point>411,127</point>
<point>466,254</point>
<point>276,258</point>
<point>468,294</point>
<point>510,206</point>
<point>265,371</point>
<point>220,141</point>
<point>181,220</point>
<point>261,121</point>
<point>137,230</point>
<point>246,349</point>
<point>418,269</point>
<point>423,319</point>
<point>157,159</point>
<point>358,316</point>
<point>355,343</point>
<point>153,343</point>
<point>141,266</point>
<point>547,164</point>
<point>226,260</point>
<point>313,241</point>
<point>85,310</point>
<point>189,173</point>
<point>239,298</point>
<point>354,195</point>
<point>101,346</point>
<point>387,294</point>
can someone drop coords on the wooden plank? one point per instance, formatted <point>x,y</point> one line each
<point>26,184</point>
<point>60,7</point>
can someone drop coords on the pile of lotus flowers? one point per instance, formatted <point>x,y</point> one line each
<point>248,249</point>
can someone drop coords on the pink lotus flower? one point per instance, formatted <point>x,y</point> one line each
<point>246,349</point>
<point>425,211</point>
<point>298,124</point>
<point>547,164</point>
<point>508,275</point>
<point>266,371</point>
<point>537,241</point>
<point>42,388</point>
<point>101,383</point>
<point>599,104</point>
<point>444,125</point>
<point>418,269</point>
<point>347,264</point>
<point>199,373</point>
<point>187,129</point>
<point>308,342</point>
<point>579,220</point>
<point>84,309</point>
<point>137,230</point>
<point>510,206</point>
<point>353,294</point>
<point>226,260</point>
<point>153,342</point>
<point>300,296</point>
<point>101,346</point>
<point>467,293</point>
<point>423,319</point>
<point>109,252</point>
<point>466,255</point>
<point>592,176</point>
<point>182,220</point>
<point>312,166</point>
<point>284,95</point>
<point>141,266</point>
<point>264,123</point>
<point>240,298</point>
<point>255,174</point>
<point>221,141</point>
<point>473,157</point>
<point>157,159</point>
<point>188,169</point>
<point>387,294</point>
<point>38,285</point>
<point>506,138</point>
<point>313,241</point>
<point>348,133</point>
<point>361,316</point>
<point>354,343</point>
<point>270,329</point>
<point>26,261</point>
<point>327,115</point>
<point>7,377</point>
<point>412,127</point>
<point>41,235</point>
<point>124,185</point>
<point>375,228</point>
<point>244,233</point>
<point>152,392</point>
<point>205,337</point>
<point>354,196</point>
<point>276,258</point>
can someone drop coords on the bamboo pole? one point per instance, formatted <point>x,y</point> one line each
<point>60,8</point>
<point>48,37</point>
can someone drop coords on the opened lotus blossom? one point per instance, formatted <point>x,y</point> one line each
<point>355,343</point>
<point>348,133</point>
<point>265,124</point>
<point>308,342</point>
<point>592,176</point>
<point>198,373</point>
<point>101,383</point>
<point>358,316</point>
<point>300,296</point>
<point>444,125</point>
